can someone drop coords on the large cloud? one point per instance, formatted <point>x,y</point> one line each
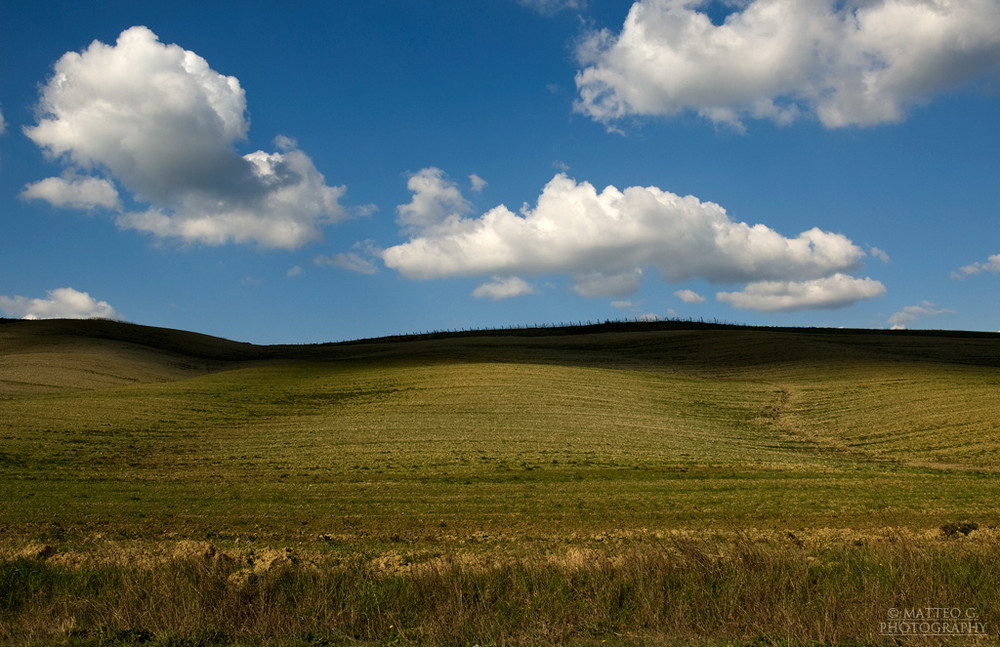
<point>161,123</point>
<point>859,62</point>
<point>61,303</point>
<point>604,240</point>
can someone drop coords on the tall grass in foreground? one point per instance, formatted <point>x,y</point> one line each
<point>680,591</point>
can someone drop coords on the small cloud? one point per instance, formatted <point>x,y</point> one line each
<point>607,284</point>
<point>250,281</point>
<point>364,210</point>
<point>285,143</point>
<point>503,288</point>
<point>436,201</point>
<point>349,261</point>
<point>649,316</point>
<point>992,264</point>
<point>77,192</point>
<point>624,305</point>
<point>552,7</point>
<point>689,296</point>
<point>3,124</point>
<point>835,291</point>
<point>909,314</point>
<point>61,303</point>
<point>878,253</point>
<point>295,270</point>
<point>361,260</point>
<point>478,183</point>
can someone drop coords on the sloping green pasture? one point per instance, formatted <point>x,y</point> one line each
<point>622,485</point>
<point>522,436</point>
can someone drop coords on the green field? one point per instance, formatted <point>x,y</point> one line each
<point>628,483</point>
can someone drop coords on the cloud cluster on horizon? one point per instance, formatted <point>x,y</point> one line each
<point>854,63</point>
<point>158,122</point>
<point>61,303</point>
<point>605,240</point>
<point>909,314</point>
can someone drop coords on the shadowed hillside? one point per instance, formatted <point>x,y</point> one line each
<point>93,353</point>
<point>54,354</point>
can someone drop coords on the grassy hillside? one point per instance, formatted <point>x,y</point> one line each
<point>729,426</point>
<point>49,356</point>
<point>118,439</point>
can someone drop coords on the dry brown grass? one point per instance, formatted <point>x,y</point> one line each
<point>672,589</point>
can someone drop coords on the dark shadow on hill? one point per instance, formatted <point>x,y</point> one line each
<point>652,345</point>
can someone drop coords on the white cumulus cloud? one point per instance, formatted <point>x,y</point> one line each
<point>834,291</point>
<point>878,253</point>
<point>478,183</point>
<point>162,124</point>
<point>859,62</point>
<point>909,314</point>
<point>436,201</point>
<point>78,192</point>
<point>503,287</point>
<point>689,296</point>
<point>992,264</point>
<point>604,240</point>
<point>61,303</point>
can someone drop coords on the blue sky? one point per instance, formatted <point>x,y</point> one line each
<point>318,171</point>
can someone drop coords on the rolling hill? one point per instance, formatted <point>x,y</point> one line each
<point>666,392</point>
<point>570,465</point>
<point>93,353</point>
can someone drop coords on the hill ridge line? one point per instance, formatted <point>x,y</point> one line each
<point>105,327</point>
